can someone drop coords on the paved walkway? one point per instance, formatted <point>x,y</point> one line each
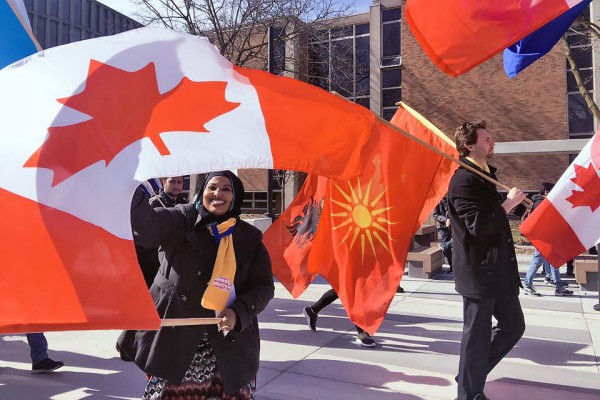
<point>416,358</point>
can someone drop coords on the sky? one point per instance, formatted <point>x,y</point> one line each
<point>127,7</point>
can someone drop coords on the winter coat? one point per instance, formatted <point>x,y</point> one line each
<point>440,214</point>
<point>187,257</point>
<point>484,260</point>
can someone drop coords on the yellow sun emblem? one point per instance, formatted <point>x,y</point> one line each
<point>362,219</point>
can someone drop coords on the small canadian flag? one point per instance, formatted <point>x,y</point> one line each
<point>566,223</point>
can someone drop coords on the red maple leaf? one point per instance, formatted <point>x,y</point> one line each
<point>125,107</point>
<point>587,179</point>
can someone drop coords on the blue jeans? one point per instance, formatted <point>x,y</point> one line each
<point>38,345</point>
<point>537,261</point>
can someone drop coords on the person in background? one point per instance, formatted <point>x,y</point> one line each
<point>485,265</point>
<point>214,264</point>
<point>169,196</point>
<point>442,222</point>
<point>312,313</point>
<point>539,260</point>
<point>40,362</point>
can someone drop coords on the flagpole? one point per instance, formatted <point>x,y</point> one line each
<point>409,135</point>
<point>189,321</point>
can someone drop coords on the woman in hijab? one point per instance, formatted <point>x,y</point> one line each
<point>212,263</point>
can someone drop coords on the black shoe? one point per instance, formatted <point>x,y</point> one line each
<point>563,292</point>
<point>400,289</point>
<point>365,340</point>
<point>570,274</point>
<point>311,318</point>
<point>450,271</point>
<point>46,365</point>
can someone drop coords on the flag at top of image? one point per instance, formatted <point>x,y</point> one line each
<point>566,223</point>
<point>458,35</point>
<point>16,39</point>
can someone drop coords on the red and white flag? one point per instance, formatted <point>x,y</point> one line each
<point>83,124</point>
<point>567,222</point>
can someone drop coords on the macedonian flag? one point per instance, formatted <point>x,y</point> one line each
<point>356,233</point>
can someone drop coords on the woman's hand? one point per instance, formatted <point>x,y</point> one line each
<point>229,320</point>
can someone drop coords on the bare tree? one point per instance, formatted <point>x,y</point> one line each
<point>240,28</point>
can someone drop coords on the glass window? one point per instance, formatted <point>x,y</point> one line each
<point>76,34</point>
<point>581,119</point>
<point>277,53</point>
<point>362,29</point>
<point>54,8</point>
<point>586,76</point>
<point>318,65</point>
<point>53,33</point>
<point>363,101</point>
<point>362,66</point>
<point>29,5</point>
<point>391,77</point>
<point>88,14</point>
<point>77,12</point>
<point>41,7</point>
<point>41,31</point>
<point>341,32</point>
<point>388,113</point>
<point>582,56</point>
<point>391,39</point>
<point>66,10</point>
<point>342,71</point>
<point>391,96</point>
<point>391,14</point>
<point>65,34</point>
<point>578,40</point>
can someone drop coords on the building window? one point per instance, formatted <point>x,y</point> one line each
<point>54,8</point>
<point>53,33</point>
<point>65,34</point>
<point>338,60</point>
<point>276,50</point>
<point>580,118</point>
<point>77,12</point>
<point>391,72</point>
<point>66,10</point>
<point>41,7</point>
<point>41,31</point>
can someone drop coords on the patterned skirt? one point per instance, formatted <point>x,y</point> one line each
<point>202,381</point>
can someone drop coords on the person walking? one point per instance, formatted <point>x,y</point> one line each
<point>484,261</point>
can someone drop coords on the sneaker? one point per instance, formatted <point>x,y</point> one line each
<point>400,289</point>
<point>365,340</point>
<point>311,318</point>
<point>549,282</point>
<point>530,291</point>
<point>46,365</point>
<point>563,292</point>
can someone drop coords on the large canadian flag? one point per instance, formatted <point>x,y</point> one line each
<point>567,222</point>
<point>83,124</point>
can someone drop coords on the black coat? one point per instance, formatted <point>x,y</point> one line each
<point>186,266</point>
<point>484,260</point>
<point>440,214</point>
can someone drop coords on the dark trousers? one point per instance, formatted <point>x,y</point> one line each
<point>481,349</point>
<point>328,297</point>
<point>446,244</point>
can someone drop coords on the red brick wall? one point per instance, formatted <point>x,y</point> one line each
<point>531,106</point>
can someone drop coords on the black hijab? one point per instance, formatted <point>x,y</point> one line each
<point>205,218</point>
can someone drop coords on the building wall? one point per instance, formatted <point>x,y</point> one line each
<point>532,106</point>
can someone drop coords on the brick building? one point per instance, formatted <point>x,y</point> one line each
<point>542,103</point>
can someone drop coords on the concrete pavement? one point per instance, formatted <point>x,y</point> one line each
<point>416,357</point>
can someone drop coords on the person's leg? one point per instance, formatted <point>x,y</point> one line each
<point>535,264</point>
<point>38,346</point>
<point>474,347</point>
<point>311,312</point>
<point>570,268</point>
<point>510,328</point>
<point>328,297</point>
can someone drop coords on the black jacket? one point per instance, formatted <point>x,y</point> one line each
<point>187,259</point>
<point>440,214</point>
<point>484,260</point>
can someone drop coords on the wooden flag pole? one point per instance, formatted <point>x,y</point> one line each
<point>409,135</point>
<point>189,321</point>
<point>449,157</point>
